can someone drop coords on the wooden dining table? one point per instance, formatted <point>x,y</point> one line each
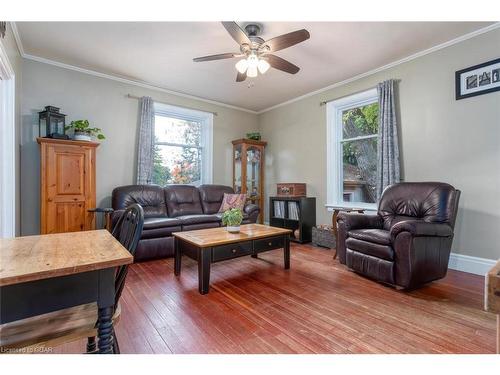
<point>46,273</point>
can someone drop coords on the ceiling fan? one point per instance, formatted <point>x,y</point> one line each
<point>256,52</point>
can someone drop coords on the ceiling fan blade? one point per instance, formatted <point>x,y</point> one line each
<point>220,56</point>
<point>281,64</point>
<point>285,40</point>
<point>241,77</point>
<point>236,32</point>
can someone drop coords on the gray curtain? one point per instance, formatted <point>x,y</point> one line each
<point>146,141</point>
<point>388,142</point>
<point>3,28</point>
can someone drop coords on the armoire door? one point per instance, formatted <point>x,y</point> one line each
<point>68,171</point>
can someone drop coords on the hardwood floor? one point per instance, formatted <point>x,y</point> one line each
<point>318,306</point>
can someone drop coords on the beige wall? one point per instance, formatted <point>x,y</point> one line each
<point>442,139</point>
<point>103,103</point>
<point>15,60</point>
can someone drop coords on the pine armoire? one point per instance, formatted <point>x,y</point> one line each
<point>67,185</point>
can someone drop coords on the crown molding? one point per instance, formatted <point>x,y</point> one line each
<point>117,78</point>
<point>150,86</point>
<point>17,38</point>
<point>414,56</point>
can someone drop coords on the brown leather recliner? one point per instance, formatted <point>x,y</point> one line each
<point>408,242</point>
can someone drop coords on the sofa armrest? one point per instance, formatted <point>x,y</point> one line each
<point>252,210</point>
<point>418,228</point>
<point>351,221</point>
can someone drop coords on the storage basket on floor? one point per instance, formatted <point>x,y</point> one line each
<point>323,236</point>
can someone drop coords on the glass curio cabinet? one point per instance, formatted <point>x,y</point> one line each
<point>248,171</point>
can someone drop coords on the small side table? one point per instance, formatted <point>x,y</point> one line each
<point>336,211</point>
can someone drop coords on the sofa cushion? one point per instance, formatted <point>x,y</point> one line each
<point>198,219</point>
<point>150,197</point>
<point>182,200</point>
<point>379,236</point>
<point>160,232</point>
<point>211,197</point>
<point>160,222</point>
<point>370,248</point>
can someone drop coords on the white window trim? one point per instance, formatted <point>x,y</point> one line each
<point>7,147</point>
<point>334,184</point>
<point>207,122</point>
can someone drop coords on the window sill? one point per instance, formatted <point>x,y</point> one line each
<point>353,207</point>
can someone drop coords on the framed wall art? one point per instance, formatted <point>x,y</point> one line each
<point>477,80</point>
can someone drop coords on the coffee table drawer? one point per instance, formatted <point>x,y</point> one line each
<point>231,251</point>
<point>269,244</point>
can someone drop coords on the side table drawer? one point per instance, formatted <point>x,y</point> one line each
<point>236,250</point>
<point>269,244</point>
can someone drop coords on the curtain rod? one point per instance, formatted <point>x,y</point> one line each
<point>345,96</point>
<point>176,105</point>
<point>354,93</point>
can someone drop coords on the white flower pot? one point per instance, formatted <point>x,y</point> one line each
<point>82,137</point>
<point>233,229</point>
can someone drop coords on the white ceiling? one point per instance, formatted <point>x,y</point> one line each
<point>161,53</point>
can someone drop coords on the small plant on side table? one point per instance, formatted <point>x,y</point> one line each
<point>83,131</point>
<point>232,219</point>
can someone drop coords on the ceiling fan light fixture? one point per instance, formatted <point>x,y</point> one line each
<point>241,66</point>
<point>263,66</point>
<point>252,71</point>
<point>253,61</point>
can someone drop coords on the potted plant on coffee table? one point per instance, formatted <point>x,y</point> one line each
<point>83,131</point>
<point>232,218</point>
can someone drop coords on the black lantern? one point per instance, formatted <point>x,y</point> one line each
<point>52,123</point>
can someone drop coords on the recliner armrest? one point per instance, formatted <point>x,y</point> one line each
<point>419,228</point>
<point>352,221</point>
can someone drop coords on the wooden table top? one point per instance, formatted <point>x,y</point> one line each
<point>492,290</point>
<point>220,236</point>
<point>32,258</point>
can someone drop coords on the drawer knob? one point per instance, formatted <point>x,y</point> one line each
<point>233,251</point>
<point>270,244</point>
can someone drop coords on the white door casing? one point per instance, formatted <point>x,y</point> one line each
<point>7,147</point>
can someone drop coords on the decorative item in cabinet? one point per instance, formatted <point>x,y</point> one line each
<point>295,213</point>
<point>291,190</point>
<point>67,185</point>
<point>248,171</point>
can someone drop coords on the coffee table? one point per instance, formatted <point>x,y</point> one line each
<point>208,246</point>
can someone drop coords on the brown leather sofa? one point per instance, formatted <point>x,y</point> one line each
<point>408,242</point>
<point>173,208</point>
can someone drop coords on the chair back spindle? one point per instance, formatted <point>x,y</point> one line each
<point>128,232</point>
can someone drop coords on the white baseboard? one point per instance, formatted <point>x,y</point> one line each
<point>466,263</point>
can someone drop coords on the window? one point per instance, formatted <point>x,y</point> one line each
<point>183,146</point>
<point>352,136</point>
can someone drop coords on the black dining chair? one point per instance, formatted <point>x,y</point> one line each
<point>78,322</point>
<point>127,231</point>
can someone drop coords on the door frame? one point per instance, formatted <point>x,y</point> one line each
<point>7,147</point>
